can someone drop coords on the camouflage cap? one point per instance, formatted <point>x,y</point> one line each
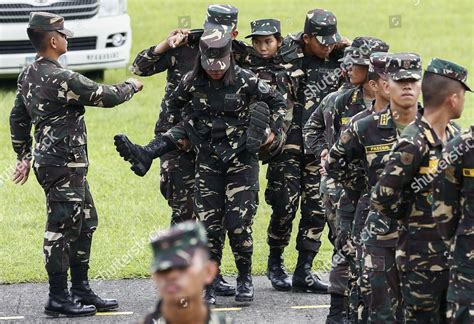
<point>46,21</point>
<point>362,47</point>
<point>378,61</point>
<point>403,66</point>
<point>221,16</point>
<point>449,69</point>
<point>215,46</point>
<point>175,248</point>
<point>323,25</point>
<point>264,27</point>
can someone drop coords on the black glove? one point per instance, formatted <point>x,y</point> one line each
<point>259,123</point>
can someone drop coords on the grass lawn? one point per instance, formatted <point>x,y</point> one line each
<point>131,208</point>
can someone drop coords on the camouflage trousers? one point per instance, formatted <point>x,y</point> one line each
<point>291,178</point>
<point>385,303</point>
<point>339,273</point>
<point>226,200</point>
<point>424,295</point>
<point>71,218</point>
<point>358,288</point>
<point>460,298</point>
<point>177,185</point>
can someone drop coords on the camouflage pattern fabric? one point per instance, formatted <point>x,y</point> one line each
<point>405,192</point>
<point>175,247</point>
<point>71,217</point>
<point>227,174</point>
<point>448,69</point>
<point>52,99</point>
<point>453,214</point>
<point>322,24</point>
<point>45,21</point>
<point>213,317</point>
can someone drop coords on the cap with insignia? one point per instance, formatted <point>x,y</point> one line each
<point>449,69</point>
<point>215,46</point>
<point>378,60</point>
<point>46,21</point>
<point>175,248</point>
<point>221,15</point>
<point>264,27</point>
<point>402,66</point>
<point>362,47</point>
<point>323,25</point>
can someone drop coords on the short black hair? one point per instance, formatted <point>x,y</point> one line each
<point>278,36</point>
<point>436,88</point>
<point>38,38</point>
<point>373,76</point>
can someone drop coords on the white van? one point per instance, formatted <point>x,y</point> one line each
<point>102,33</point>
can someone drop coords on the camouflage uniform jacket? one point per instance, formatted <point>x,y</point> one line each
<point>220,114</point>
<point>317,78</point>
<point>53,98</point>
<point>213,317</point>
<point>453,201</point>
<point>368,140</point>
<point>317,136</point>
<point>404,192</point>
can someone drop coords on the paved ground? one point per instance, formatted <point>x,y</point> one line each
<point>23,303</point>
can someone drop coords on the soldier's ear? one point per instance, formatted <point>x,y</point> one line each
<point>373,85</point>
<point>53,42</point>
<point>306,38</point>
<point>211,271</point>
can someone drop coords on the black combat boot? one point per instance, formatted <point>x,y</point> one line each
<point>210,295</point>
<point>82,293</point>
<point>244,292</point>
<point>222,287</point>
<point>303,279</point>
<point>336,310</point>
<point>141,157</point>
<point>61,303</point>
<point>276,271</point>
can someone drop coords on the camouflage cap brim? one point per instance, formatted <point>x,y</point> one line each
<point>172,261</point>
<point>360,61</point>
<point>406,75</point>
<point>329,40</point>
<point>261,33</point>
<point>66,32</point>
<point>215,64</point>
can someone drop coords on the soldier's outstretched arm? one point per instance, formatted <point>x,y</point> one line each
<point>79,89</point>
<point>389,196</point>
<point>158,58</point>
<point>446,191</point>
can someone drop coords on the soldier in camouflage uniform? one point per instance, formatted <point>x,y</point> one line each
<point>180,269</point>
<point>52,99</point>
<point>405,192</point>
<point>370,140</point>
<point>220,127</point>
<point>177,56</point>
<point>353,205</point>
<point>294,175</point>
<point>271,66</point>
<point>452,196</point>
<point>315,143</point>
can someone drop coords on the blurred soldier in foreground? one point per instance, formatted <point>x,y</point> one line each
<point>181,268</point>
<point>53,98</point>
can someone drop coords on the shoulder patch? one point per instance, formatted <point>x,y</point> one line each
<point>406,158</point>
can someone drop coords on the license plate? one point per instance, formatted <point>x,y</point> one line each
<point>62,60</point>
